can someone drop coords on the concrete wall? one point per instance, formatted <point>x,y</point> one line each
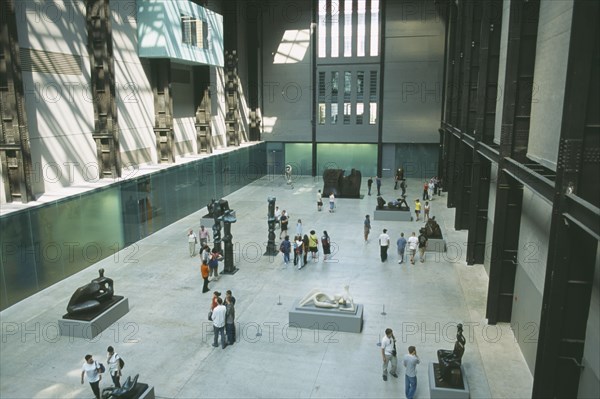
<point>135,102</point>
<point>550,75</point>
<point>531,272</point>
<point>58,102</point>
<point>502,70</point>
<point>414,52</point>
<point>160,32</point>
<point>287,87</point>
<point>490,217</point>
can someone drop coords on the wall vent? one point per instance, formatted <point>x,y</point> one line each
<point>46,62</point>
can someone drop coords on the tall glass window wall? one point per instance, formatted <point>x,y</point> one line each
<point>45,244</point>
<point>362,157</point>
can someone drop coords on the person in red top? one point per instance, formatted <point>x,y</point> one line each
<point>216,295</point>
<point>425,191</point>
<point>204,271</point>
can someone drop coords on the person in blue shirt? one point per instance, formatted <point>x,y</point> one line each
<point>401,243</point>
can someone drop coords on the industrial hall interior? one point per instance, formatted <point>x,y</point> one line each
<point>299,199</point>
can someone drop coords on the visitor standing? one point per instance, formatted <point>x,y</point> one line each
<point>367,228</point>
<point>229,319</point>
<point>277,215</point>
<point>298,251</point>
<point>410,363</point>
<point>313,245</point>
<point>425,190</point>
<point>422,245</point>
<point>417,208</point>
<point>114,366</point>
<point>369,184</point>
<point>299,227</point>
<point>219,314</point>
<point>204,236</point>
<point>326,244</point>
<point>431,188</point>
<point>398,178</point>
<point>384,243</point>
<point>283,222</point>
<point>413,243</point>
<point>285,248</point>
<point>91,369</point>
<point>204,270</point>
<point>389,354</point>
<point>426,208</point>
<point>319,201</point>
<point>192,242</point>
<point>305,248</point>
<point>331,202</point>
<point>401,243</point>
<point>378,183</point>
<point>403,187</point>
<point>213,264</point>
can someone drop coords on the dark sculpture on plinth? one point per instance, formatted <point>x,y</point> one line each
<point>432,229</point>
<point>127,390</point>
<point>342,186</point>
<point>220,212</point>
<point>271,248</point>
<point>449,361</point>
<point>397,205</point>
<point>91,296</point>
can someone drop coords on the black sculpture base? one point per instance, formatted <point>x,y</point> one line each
<point>88,316</point>
<point>446,389</point>
<point>231,270</point>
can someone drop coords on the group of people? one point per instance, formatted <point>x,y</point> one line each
<point>302,245</point>
<point>413,243</point>
<point>210,265</point>
<point>93,370</point>
<point>390,360</point>
<point>320,201</point>
<point>431,188</point>
<point>222,315</point>
<point>426,210</point>
<point>193,239</point>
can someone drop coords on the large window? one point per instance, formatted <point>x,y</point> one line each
<point>194,31</point>
<point>341,16</point>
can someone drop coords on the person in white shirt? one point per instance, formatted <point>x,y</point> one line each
<point>331,202</point>
<point>388,352</point>
<point>319,201</point>
<point>384,243</point>
<point>413,243</point>
<point>192,242</point>
<point>114,366</point>
<point>90,369</point>
<point>218,318</point>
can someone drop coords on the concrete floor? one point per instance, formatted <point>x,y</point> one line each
<point>166,337</point>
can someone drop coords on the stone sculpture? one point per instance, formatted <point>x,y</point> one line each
<point>450,361</point>
<point>271,248</point>
<point>92,295</point>
<point>343,301</point>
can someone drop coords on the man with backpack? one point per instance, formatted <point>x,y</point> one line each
<point>422,245</point>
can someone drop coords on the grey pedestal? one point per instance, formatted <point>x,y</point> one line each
<point>310,316</point>
<point>148,393</point>
<point>436,245</point>
<point>395,216</point>
<point>92,328</point>
<point>436,392</point>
